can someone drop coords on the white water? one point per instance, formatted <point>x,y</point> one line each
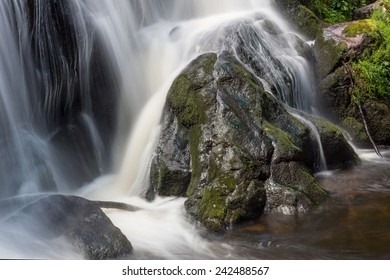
<point>146,43</point>
<point>314,131</point>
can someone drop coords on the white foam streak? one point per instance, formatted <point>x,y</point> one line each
<point>161,230</point>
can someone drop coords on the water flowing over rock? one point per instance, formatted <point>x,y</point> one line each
<point>234,149</point>
<point>78,220</point>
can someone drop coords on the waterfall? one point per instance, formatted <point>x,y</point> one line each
<point>322,166</point>
<point>275,53</point>
<point>83,84</point>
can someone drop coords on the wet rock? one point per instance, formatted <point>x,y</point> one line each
<point>338,153</point>
<point>292,189</point>
<point>79,220</point>
<point>378,119</point>
<point>366,11</point>
<point>232,148</point>
<point>301,17</point>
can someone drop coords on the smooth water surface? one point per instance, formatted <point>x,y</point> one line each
<point>353,223</point>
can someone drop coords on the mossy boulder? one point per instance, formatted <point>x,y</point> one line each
<point>222,129</point>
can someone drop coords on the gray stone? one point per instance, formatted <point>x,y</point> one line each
<point>366,11</point>
<point>79,220</point>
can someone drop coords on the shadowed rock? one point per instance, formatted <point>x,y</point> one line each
<point>79,220</point>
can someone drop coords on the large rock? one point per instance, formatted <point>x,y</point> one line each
<point>79,220</point>
<point>232,148</point>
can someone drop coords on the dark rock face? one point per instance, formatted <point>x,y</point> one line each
<point>232,148</point>
<point>81,221</point>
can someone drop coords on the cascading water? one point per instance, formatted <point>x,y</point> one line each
<point>82,87</point>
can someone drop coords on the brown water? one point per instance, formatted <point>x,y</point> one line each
<point>353,223</point>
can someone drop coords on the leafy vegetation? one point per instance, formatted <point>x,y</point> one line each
<point>372,72</point>
<point>335,11</point>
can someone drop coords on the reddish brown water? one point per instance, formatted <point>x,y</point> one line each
<point>353,223</point>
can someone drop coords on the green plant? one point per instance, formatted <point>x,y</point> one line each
<point>372,72</point>
<point>335,11</point>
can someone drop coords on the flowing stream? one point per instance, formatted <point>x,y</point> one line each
<point>82,87</point>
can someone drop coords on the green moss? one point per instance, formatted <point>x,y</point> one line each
<point>228,180</point>
<point>194,136</point>
<point>220,177</point>
<point>177,96</point>
<point>306,21</point>
<point>324,126</point>
<point>371,73</point>
<point>249,168</point>
<point>284,146</point>
<point>184,97</point>
<point>245,76</point>
<point>366,26</point>
<point>208,63</point>
<point>190,109</point>
<point>212,205</point>
<point>188,105</point>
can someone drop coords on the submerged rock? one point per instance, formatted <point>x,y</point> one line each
<point>79,220</point>
<point>233,149</point>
